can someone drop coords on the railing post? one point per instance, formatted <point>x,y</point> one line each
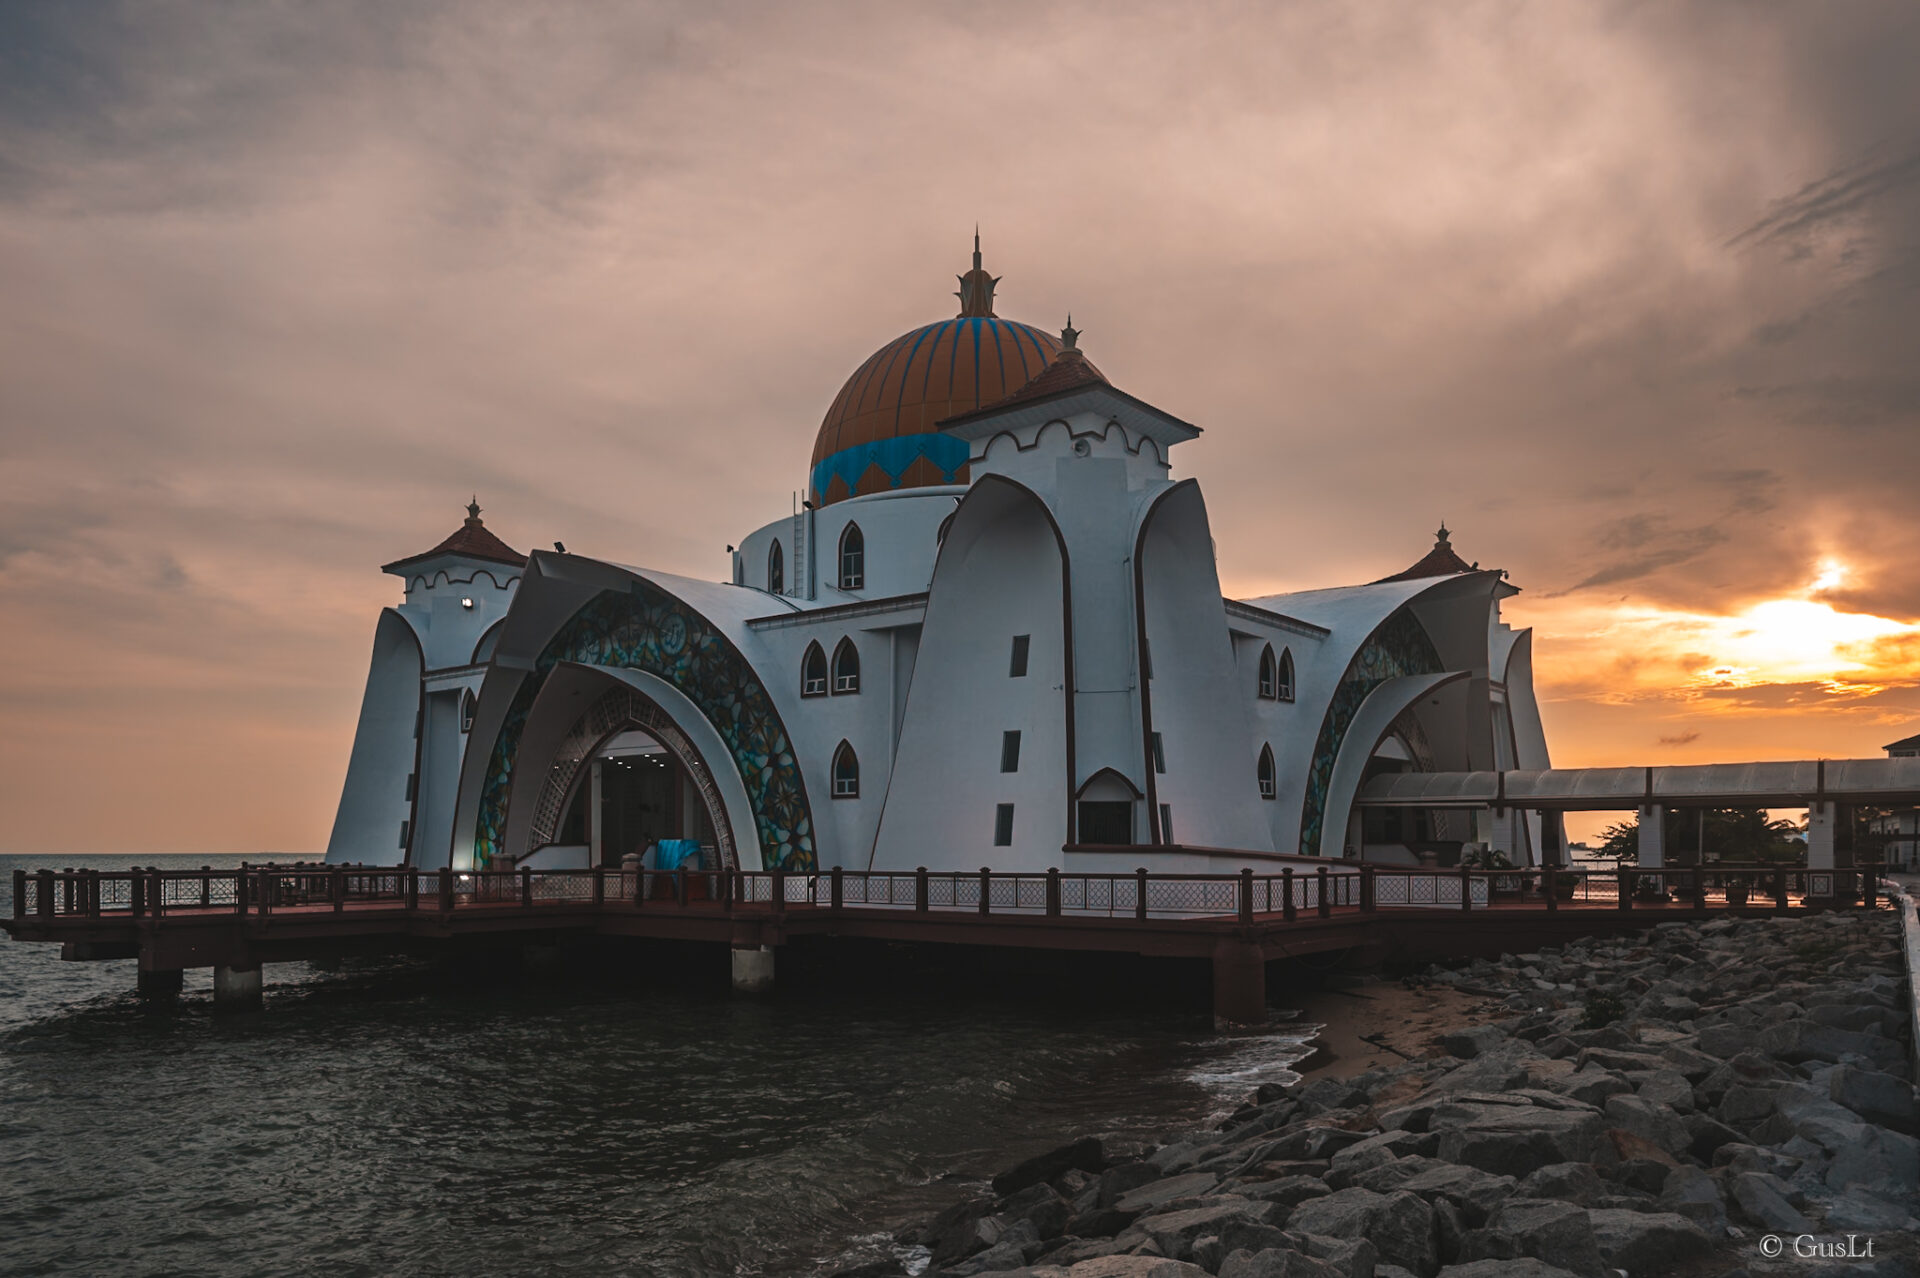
<point>1140,893</point>
<point>1870,880</point>
<point>1625,889</point>
<point>338,888</point>
<point>412,899</point>
<point>262,898</point>
<point>157,893</point>
<point>1780,891</point>
<point>19,894</point>
<point>1246,895</point>
<point>837,888</point>
<point>1466,888</point>
<point>446,889</point>
<point>1366,889</point>
<point>920,889</point>
<point>779,901</point>
<point>93,894</point>
<point>43,887</point>
<point>680,886</point>
<point>526,887</point>
<point>1053,892</point>
<point>639,886</point>
<point>137,892</point>
<point>986,890</point>
<point>1326,905</point>
<point>1552,873</point>
<point>1286,881</point>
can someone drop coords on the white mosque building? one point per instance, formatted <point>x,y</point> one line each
<point>993,636</point>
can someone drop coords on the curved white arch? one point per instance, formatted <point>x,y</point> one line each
<point>1370,725</point>
<point>568,691</point>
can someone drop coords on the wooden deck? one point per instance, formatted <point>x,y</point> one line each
<point>240,919</point>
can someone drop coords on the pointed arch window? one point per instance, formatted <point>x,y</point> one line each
<point>1286,674</point>
<point>776,569</point>
<point>846,772</point>
<point>1269,778</point>
<point>853,558</point>
<point>813,671</point>
<point>466,710</point>
<point>1269,675</point>
<point>846,668</point>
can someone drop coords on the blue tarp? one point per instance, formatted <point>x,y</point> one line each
<point>674,854</point>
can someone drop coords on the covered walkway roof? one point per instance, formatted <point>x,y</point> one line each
<point>1791,784</point>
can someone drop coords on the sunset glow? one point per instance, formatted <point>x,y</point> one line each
<point>1621,293</point>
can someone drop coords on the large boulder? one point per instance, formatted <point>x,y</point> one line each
<point>1377,1150</point>
<point>1158,1193</point>
<point>1650,1122</point>
<point>1692,1193</point>
<point>1175,1232</point>
<point>1473,1192</point>
<point>1646,1243</point>
<point>1276,1262</point>
<point>1399,1224</point>
<point>1525,1267</point>
<point>1086,1154</point>
<point>1124,1179</point>
<point>1799,1041</point>
<point>1879,1098</point>
<point>1541,1229</point>
<point>1472,1041</point>
<point>1512,1141</point>
<point>1569,1182</point>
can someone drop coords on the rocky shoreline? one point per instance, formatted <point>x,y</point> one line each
<point>1660,1103</point>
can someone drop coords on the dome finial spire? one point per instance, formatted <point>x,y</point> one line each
<point>1440,538</point>
<point>1069,337</point>
<point>976,286</point>
<point>473,509</point>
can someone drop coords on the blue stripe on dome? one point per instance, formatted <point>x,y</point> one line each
<point>900,401</point>
<point>893,456</point>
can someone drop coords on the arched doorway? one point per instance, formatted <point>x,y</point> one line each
<point>626,779</point>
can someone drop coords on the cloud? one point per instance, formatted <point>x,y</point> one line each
<point>281,285</point>
<point>1680,739</point>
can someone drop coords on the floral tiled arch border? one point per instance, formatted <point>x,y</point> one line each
<point>1400,646</point>
<point>644,628</point>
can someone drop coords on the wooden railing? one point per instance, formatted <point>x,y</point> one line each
<point>1312,892</point>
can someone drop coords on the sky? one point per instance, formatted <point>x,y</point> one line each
<point>1628,294</point>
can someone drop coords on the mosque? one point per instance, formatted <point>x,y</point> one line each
<point>992,635</point>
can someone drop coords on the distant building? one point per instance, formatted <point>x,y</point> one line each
<point>1901,827</point>
<point>992,635</point>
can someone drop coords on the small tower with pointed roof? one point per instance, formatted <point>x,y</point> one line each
<point>457,590</point>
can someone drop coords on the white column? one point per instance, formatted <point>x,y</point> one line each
<point>236,989</point>
<point>753,970</point>
<point>594,793</point>
<point>1653,837</point>
<point>1820,836</point>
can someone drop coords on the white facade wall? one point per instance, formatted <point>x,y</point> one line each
<point>1199,705</point>
<point>901,530</point>
<point>374,804</point>
<point>1000,575</point>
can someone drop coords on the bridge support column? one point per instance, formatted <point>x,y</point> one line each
<point>159,983</point>
<point>1821,879</point>
<point>236,989</point>
<point>1239,983</point>
<point>1653,838</point>
<point>753,970</point>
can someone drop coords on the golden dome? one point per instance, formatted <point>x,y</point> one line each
<point>880,433</point>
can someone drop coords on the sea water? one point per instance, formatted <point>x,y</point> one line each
<point>383,1117</point>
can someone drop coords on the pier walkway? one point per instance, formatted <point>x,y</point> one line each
<point>236,920</point>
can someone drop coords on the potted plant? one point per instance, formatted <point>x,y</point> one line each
<point>1486,858</point>
<point>1737,887</point>
<point>1565,884</point>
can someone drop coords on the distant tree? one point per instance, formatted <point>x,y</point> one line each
<point>1723,834</point>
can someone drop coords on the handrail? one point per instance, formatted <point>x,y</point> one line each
<point>1139,895</point>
